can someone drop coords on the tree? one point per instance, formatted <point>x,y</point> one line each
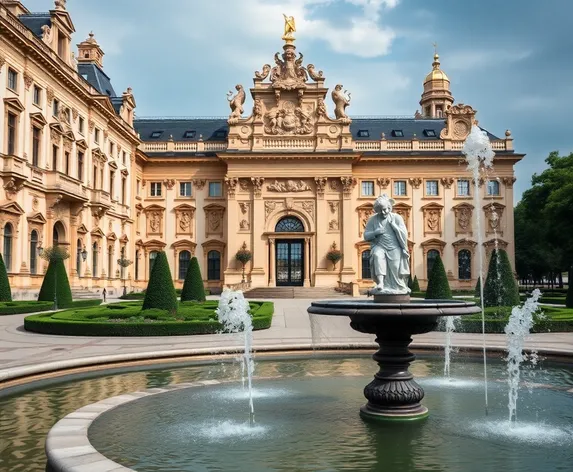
<point>477,292</point>
<point>569,297</point>
<point>55,286</point>
<point>334,255</point>
<point>5,292</point>
<point>415,284</point>
<point>438,285</point>
<point>193,289</point>
<point>160,291</point>
<point>500,287</point>
<point>243,255</point>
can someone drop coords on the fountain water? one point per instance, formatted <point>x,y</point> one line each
<point>450,329</point>
<point>479,155</point>
<point>518,328</point>
<point>233,314</point>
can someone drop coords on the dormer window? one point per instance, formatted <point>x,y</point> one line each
<point>430,133</point>
<point>363,133</point>
<point>397,133</point>
<point>189,134</point>
<point>220,134</point>
<point>156,134</point>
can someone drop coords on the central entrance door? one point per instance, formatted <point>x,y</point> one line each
<point>290,262</point>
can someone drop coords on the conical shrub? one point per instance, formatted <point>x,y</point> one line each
<point>477,293</point>
<point>56,281</point>
<point>5,292</point>
<point>193,289</point>
<point>569,297</point>
<point>500,287</point>
<point>160,291</point>
<point>438,285</point>
<point>415,284</point>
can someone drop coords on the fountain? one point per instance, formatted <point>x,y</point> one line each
<point>393,318</point>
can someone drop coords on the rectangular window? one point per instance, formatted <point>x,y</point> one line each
<point>81,125</point>
<point>463,188</point>
<point>123,191</point>
<point>80,165</point>
<point>12,121</point>
<point>55,107</point>
<point>400,188</point>
<point>96,136</point>
<point>155,189</point>
<point>111,184</point>
<point>124,157</point>
<point>185,189</point>
<point>367,188</point>
<point>432,188</point>
<point>37,95</point>
<point>493,188</point>
<point>111,149</point>
<point>55,151</point>
<point>215,189</point>
<point>67,162</point>
<point>36,139</point>
<point>95,177</point>
<point>137,184</point>
<point>13,80</point>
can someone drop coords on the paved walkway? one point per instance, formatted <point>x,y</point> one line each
<point>24,353</point>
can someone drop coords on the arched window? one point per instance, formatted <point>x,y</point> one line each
<point>56,236</point>
<point>34,252</point>
<point>8,247</point>
<point>464,265</point>
<point>109,262</point>
<point>184,259</point>
<point>289,224</point>
<point>137,264</point>
<point>58,233</point>
<point>213,265</point>
<point>79,257</point>
<point>152,256</point>
<point>366,265</point>
<point>430,258</point>
<point>94,259</point>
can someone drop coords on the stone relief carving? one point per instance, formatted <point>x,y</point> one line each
<point>245,217</point>
<point>364,214</point>
<point>321,109</point>
<point>258,185</point>
<point>184,217</point>
<point>432,219</point>
<point>169,183</point>
<point>257,110</point>
<point>314,75</point>
<point>288,74</point>
<point>264,72</point>
<point>214,217</point>
<point>459,119</point>
<point>493,213</point>
<point>404,211</point>
<point>320,185</point>
<point>236,103</point>
<point>383,182</point>
<point>508,181</point>
<point>447,182</point>
<point>334,184</point>
<point>28,80</point>
<point>270,206</point>
<point>46,34</point>
<point>199,184</point>
<point>154,221</point>
<point>463,214</point>
<point>341,101</point>
<point>415,182</point>
<point>12,188</point>
<point>333,225</point>
<point>244,185</point>
<point>348,184</point>
<point>231,183</point>
<point>289,119</point>
<point>288,186</point>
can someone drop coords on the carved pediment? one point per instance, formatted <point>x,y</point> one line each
<point>139,242</point>
<point>433,243</point>
<point>154,244</point>
<point>36,218</point>
<point>432,206</point>
<point>459,121</point>
<point>14,104</point>
<point>99,155</point>
<point>184,207</point>
<point>153,207</point>
<point>57,127</point>
<point>464,244</point>
<point>11,207</point>
<point>185,244</point>
<point>111,236</point>
<point>82,144</point>
<point>97,233</point>
<point>82,229</point>
<point>38,119</point>
<point>124,239</point>
<point>112,165</point>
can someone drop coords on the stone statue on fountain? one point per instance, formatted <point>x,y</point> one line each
<point>389,255</point>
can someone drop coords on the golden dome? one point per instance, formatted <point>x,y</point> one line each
<point>437,73</point>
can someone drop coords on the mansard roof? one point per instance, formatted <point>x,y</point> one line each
<point>210,129</point>
<point>35,21</point>
<point>97,78</point>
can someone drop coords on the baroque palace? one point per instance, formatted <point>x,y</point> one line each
<point>289,180</point>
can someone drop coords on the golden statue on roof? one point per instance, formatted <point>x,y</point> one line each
<point>290,28</point>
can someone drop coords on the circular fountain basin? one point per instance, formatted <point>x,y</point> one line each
<point>307,420</point>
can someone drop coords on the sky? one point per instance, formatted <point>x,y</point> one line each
<point>510,60</point>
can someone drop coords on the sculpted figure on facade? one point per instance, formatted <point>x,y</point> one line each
<point>341,101</point>
<point>288,186</point>
<point>258,109</point>
<point>389,255</point>
<point>314,75</point>
<point>288,119</point>
<point>288,74</point>
<point>236,103</point>
<point>264,73</point>
<point>290,28</point>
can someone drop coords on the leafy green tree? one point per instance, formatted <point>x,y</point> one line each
<point>500,287</point>
<point>160,291</point>
<point>415,284</point>
<point>438,285</point>
<point>5,292</point>
<point>193,288</point>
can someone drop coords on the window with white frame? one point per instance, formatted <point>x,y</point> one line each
<point>155,189</point>
<point>463,188</point>
<point>493,188</point>
<point>37,95</point>
<point>367,188</point>
<point>12,80</point>
<point>400,188</point>
<point>215,189</point>
<point>184,189</point>
<point>432,188</point>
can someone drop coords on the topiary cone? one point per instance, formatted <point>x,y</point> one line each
<point>56,270</point>
<point>415,284</point>
<point>5,291</point>
<point>438,285</point>
<point>160,292</point>
<point>193,288</point>
<point>500,288</point>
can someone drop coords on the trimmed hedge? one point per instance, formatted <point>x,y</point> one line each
<point>438,285</point>
<point>56,281</point>
<point>193,288</point>
<point>500,289</point>
<point>569,296</point>
<point>19,307</point>
<point>415,284</point>
<point>160,293</point>
<point>543,299</point>
<point>128,319</point>
<point>5,291</point>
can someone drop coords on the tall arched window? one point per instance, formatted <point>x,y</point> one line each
<point>79,246</point>
<point>152,256</point>
<point>55,236</point>
<point>464,265</point>
<point>109,262</point>
<point>430,258</point>
<point>366,265</point>
<point>8,247</point>
<point>289,224</point>
<point>34,252</point>
<point>213,265</point>
<point>137,264</point>
<point>184,259</point>
<point>94,259</point>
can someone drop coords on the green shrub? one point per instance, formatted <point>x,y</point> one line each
<point>5,292</point>
<point>19,307</point>
<point>160,291</point>
<point>478,289</point>
<point>569,297</point>
<point>500,287</point>
<point>438,285</point>
<point>193,288</point>
<point>56,282</point>
<point>415,284</point>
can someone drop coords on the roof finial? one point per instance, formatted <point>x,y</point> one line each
<point>290,28</point>
<point>436,63</point>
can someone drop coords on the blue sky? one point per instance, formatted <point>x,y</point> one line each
<point>511,60</point>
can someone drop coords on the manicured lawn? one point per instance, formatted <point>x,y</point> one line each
<point>127,319</point>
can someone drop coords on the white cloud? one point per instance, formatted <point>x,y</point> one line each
<point>474,58</point>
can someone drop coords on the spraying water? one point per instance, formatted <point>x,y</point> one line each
<point>450,329</point>
<point>479,154</point>
<point>517,329</point>
<point>233,314</point>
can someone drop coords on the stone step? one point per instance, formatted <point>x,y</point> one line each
<point>293,292</point>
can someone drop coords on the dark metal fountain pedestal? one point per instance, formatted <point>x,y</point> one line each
<point>393,394</point>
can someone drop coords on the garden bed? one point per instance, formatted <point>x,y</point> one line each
<point>19,307</point>
<point>127,319</point>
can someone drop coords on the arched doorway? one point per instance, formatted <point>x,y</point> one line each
<point>289,255</point>
<point>59,234</point>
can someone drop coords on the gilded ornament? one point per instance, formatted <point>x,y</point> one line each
<point>290,28</point>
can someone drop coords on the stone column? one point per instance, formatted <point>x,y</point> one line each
<point>272,250</point>
<point>259,278</point>
<point>306,261</point>
<point>348,274</point>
